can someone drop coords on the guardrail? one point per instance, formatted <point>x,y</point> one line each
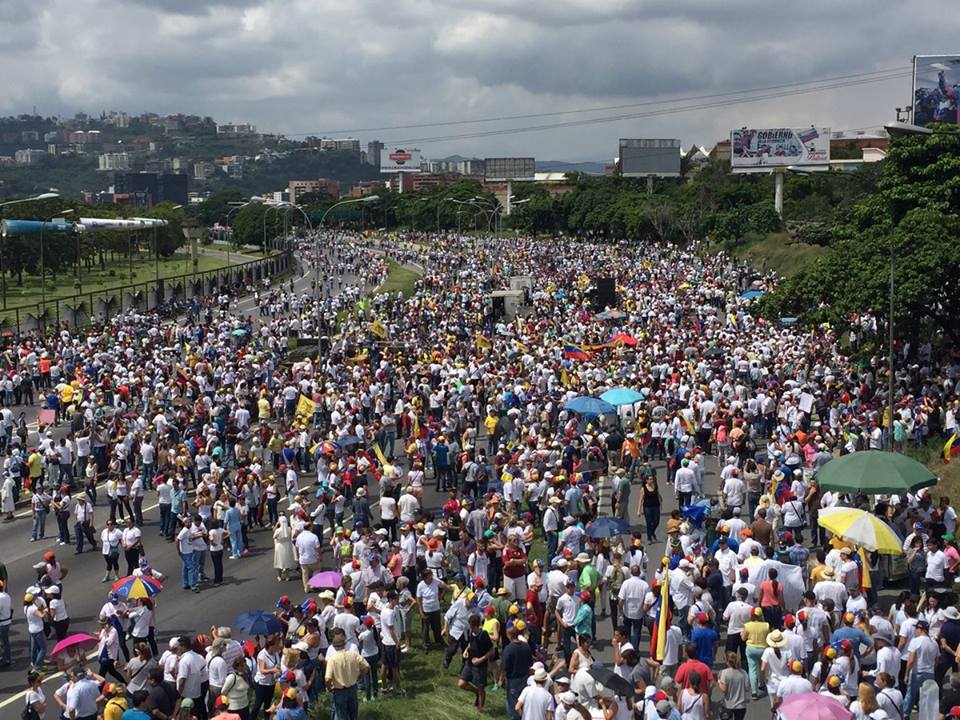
<point>100,305</point>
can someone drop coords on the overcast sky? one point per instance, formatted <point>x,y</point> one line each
<point>315,66</point>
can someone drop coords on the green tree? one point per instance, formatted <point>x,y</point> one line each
<point>915,219</point>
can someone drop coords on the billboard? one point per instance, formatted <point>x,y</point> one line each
<point>642,157</point>
<point>399,160</point>
<point>509,168</point>
<point>754,149</point>
<point>936,84</point>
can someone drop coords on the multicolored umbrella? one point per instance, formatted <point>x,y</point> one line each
<point>135,587</point>
<point>80,641</point>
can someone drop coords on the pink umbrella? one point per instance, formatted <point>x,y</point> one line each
<point>80,641</point>
<point>326,579</point>
<point>812,706</point>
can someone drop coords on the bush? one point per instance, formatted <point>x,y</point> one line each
<point>762,219</point>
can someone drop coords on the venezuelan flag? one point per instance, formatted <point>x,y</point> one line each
<point>575,352</point>
<point>952,447</point>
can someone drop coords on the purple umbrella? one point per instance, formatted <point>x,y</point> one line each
<point>327,579</point>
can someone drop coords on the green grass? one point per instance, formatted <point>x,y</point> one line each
<point>114,274</point>
<point>398,278</point>
<point>432,692</point>
<point>949,474</point>
<point>779,253</point>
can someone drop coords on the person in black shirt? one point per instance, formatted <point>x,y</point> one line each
<point>950,695</point>
<point>515,665</point>
<point>949,641</point>
<point>476,657</point>
<point>161,699</point>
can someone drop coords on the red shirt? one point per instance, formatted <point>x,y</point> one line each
<point>518,570</point>
<point>682,677</point>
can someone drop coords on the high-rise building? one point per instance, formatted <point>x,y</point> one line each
<point>114,161</point>
<point>174,188</point>
<point>145,185</point>
<point>374,148</point>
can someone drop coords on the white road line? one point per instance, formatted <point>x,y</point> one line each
<point>90,656</point>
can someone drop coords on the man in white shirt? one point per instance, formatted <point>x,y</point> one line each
<point>190,670</point>
<point>308,550</point>
<point>632,593</point>
<point>921,660</point>
<point>736,614</point>
<point>566,613</point>
<point>535,701</point>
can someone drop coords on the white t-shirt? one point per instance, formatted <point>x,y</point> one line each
<point>308,548</point>
<point>926,651</point>
<point>632,592</point>
<point>34,619</point>
<point>429,595</point>
<point>388,619</point>
<point>536,702</point>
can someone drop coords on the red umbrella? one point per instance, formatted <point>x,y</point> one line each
<point>81,641</point>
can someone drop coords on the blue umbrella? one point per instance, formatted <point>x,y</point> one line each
<point>750,294</point>
<point>607,527</point>
<point>258,622</point>
<point>589,406</point>
<point>622,396</point>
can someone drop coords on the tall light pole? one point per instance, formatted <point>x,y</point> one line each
<point>254,200</point>
<point>3,269</point>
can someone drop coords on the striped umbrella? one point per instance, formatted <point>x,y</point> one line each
<point>135,587</point>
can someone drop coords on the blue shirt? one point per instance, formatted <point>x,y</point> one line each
<point>134,714</point>
<point>704,638</point>
<point>854,635</point>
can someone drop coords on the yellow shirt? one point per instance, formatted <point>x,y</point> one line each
<point>114,708</point>
<point>816,573</point>
<point>66,395</point>
<point>34,462</point>
<point>757,631</point>
<point>264,408</point>
<point>344,669</point>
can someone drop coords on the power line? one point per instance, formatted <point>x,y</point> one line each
<point>646,103</point>
<point>646,114</point>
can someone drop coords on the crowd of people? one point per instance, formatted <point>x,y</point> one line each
<point>422,455</point>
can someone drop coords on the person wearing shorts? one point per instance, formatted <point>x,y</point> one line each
<point>476,661</point>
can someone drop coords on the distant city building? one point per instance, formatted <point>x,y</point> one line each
<point>174,188</point>
<point>28,136</point>
<point>146,189</point>
<point>340,144</point>
<point>29,156</point>
<point>430,181</point>
<point>139,189</point>
<point>51,136</point>
<point>298,188</point>
<point>118,119</point>
<point>114,161</point>
<point>237,130</point>
<point>369,187</point>
<point>374,148</point>
<point>204,170</point>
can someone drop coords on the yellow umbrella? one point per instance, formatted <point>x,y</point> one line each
<point>861,528</point>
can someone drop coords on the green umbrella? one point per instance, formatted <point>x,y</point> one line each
<point>873,472</point>
<point>239,331</point>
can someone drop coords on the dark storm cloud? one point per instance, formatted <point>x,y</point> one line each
<point>314,65</point>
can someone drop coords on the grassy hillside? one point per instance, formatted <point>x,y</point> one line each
<point>780,253</point>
